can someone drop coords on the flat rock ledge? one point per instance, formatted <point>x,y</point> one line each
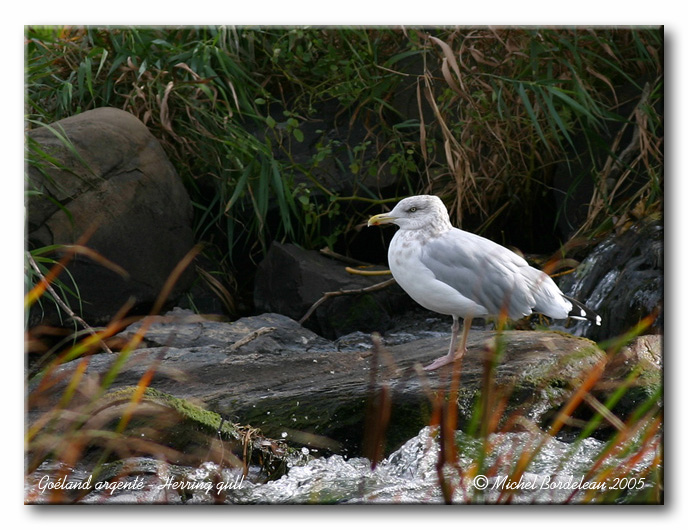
<point>269,372</point>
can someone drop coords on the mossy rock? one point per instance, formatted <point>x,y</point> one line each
<point>192,432</point>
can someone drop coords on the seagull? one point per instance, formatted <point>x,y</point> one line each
<point>457,273</point>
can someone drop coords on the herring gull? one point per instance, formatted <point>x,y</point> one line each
<point>464,275</point>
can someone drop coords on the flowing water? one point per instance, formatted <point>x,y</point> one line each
<point>407,476</point>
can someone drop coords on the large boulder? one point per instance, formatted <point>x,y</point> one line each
<point>112,175</point>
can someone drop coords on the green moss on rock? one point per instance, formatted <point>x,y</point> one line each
<point>191,429</point>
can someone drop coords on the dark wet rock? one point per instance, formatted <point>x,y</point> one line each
<point>290,280</point>
<point>532,372</point>
<point>623,280</point>
<point>268,333</point>
<point>271,373</point>
<point>116,178</point>
<point>637,367</point>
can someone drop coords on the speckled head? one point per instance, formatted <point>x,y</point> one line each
<point>416,213</point>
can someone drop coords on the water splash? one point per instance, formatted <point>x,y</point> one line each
<point>407,476</point>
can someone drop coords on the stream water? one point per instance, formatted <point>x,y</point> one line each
<point>407,476</point>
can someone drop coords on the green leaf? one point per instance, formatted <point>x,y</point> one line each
<point>239,187</point>
<point>531,114</point>
<point>558,92</point>
<point>280,191</point>
<point>554,115</point>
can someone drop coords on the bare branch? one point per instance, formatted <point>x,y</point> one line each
<point>331,294</point>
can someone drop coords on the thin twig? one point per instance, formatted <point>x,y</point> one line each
<point>367,273</point>
<point>250,336</point>
<point>605,412</point>
<point>331,294</point>
<point>340,257</point>
<point>351,261</point>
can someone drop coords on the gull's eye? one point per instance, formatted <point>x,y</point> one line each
<point>412,209</point>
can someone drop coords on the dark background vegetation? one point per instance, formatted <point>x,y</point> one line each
<point>535,137</point>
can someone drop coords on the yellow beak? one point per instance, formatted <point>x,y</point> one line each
<point>381,219</point>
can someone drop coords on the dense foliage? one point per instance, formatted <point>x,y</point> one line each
<point>480,116</point>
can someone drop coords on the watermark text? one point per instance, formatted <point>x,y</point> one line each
<point>536,482</point>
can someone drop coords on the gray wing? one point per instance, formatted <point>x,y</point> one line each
<point>480,270</point>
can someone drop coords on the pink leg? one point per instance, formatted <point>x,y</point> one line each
<point>453,352</point>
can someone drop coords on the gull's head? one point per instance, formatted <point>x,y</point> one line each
<point>415,213</point>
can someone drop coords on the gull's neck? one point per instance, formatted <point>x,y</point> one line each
<point>428,230</point>
<point>442,224</point>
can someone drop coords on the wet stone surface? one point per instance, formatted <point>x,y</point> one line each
<point>271,373</point>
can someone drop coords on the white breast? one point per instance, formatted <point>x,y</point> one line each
<point>421,284</point>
